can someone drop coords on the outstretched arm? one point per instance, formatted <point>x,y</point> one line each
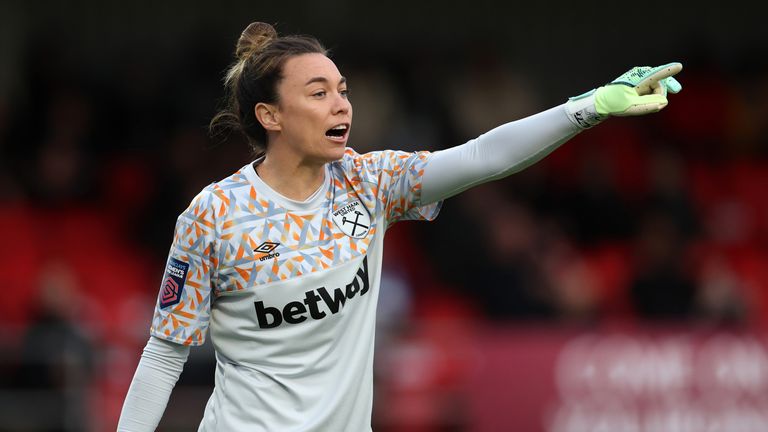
<point>495,154</point>
<point>515,146</point>
<point>159,369</point>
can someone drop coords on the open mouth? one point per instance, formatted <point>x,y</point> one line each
<point>338,132</point>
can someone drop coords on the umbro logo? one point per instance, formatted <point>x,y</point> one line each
<point>267,248</point>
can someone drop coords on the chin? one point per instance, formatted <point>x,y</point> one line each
<point>335,152</point>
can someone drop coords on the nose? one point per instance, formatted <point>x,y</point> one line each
<point>341,105</point>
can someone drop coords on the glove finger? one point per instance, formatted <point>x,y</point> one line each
<point>645,105</point>
<point>658,88</point>
<point>655,75</point>
<point>673,85</point>
<point>667,84</point>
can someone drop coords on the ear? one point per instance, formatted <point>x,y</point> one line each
<point>268,116</point>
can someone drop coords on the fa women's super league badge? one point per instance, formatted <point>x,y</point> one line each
<point>173,282</point>
<point>353,219</point>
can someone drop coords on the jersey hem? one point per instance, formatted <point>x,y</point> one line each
<point>176,340</point>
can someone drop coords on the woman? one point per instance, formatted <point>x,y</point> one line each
<point>282,260</point>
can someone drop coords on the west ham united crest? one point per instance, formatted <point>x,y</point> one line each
<point>353,219</point>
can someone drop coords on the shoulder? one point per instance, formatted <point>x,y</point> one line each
<point>377,160</point>
<point>382,159</point>
<point>201,207</point>
<point>216,199</point>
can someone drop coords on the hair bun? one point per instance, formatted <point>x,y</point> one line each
<point>253,39</point>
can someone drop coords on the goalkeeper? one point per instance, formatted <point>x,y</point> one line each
<point>281,261</point>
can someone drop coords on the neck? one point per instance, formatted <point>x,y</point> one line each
<point>291,179</point>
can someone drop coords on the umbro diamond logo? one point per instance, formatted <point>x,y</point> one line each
<point>267,248</point>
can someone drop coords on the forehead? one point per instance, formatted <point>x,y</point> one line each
<point>299,69</point>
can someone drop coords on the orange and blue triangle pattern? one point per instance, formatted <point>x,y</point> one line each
<point>219,235</point>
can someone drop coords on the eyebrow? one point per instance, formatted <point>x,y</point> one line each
<point>324,80</point>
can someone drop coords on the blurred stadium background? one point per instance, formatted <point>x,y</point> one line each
<point>619,285</point>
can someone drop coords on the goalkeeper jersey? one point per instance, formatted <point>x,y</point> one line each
<point>289,291</point>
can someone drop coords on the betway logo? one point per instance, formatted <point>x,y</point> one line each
<point>296,311</point>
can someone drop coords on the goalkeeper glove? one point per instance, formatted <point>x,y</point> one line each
<point>641,90</point>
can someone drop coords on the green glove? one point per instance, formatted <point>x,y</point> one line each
<point>639,91</point>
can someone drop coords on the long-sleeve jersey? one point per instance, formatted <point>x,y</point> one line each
<point>288,290</point>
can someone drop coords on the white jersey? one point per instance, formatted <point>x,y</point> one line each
<point>289,290</point>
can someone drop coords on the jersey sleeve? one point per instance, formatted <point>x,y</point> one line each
<point>182,311</point>
<point>398,179</point>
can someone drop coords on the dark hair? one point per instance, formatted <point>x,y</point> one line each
<point>253,77</point>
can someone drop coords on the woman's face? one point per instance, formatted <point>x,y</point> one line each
<point>314,115</point>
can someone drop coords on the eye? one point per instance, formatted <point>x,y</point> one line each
<point>319,94</point>
<point>344,93</point>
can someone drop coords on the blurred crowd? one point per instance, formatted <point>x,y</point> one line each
<point>660,219</point>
